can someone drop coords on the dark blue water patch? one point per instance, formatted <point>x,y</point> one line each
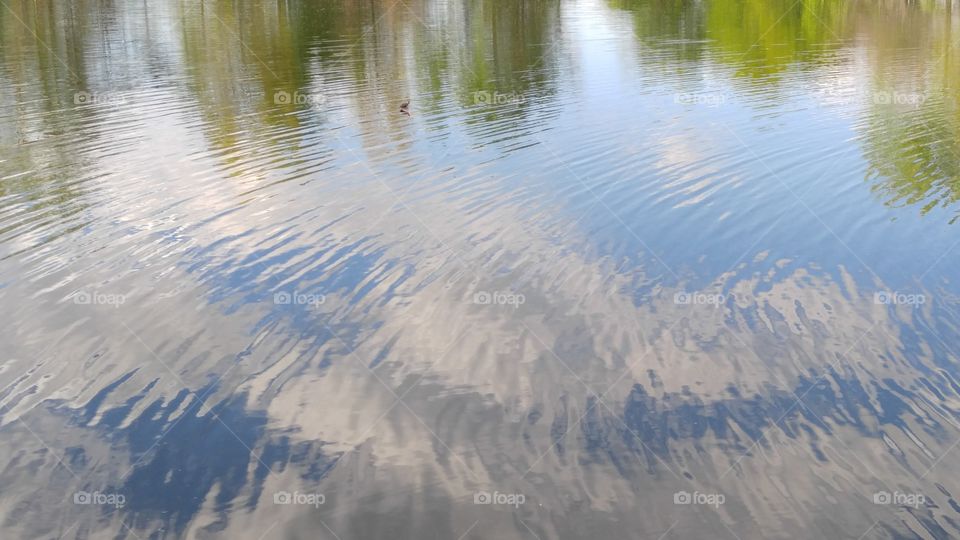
<point>199,452</point>
<point>650,424</point>
<point>559,427</point>
<point>176,461</point>
<point>384,352</point>
<point>115,416</point>
<point>97,400</point>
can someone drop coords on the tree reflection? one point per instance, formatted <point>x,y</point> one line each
<point>911,126</point>
<point>912,136</point>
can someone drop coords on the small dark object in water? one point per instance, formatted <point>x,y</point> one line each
<point>405,106</point>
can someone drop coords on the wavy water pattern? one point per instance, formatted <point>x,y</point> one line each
<point>613,254</point>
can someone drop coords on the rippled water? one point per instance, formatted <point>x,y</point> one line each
<point>621,269</point>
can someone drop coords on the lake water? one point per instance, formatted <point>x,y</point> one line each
<point>621,269</point>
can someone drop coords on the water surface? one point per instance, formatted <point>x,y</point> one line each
<point>623,269</point>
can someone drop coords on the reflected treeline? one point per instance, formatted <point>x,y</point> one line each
<point>912,131</point>
<point>914,152</point>
<point>262,76</point>
<point>510,54</point>
<point>757,39</point>
<point>269,70</point>
<point>41,67</point>
<point>352,63</point>
<point>908,85</point>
